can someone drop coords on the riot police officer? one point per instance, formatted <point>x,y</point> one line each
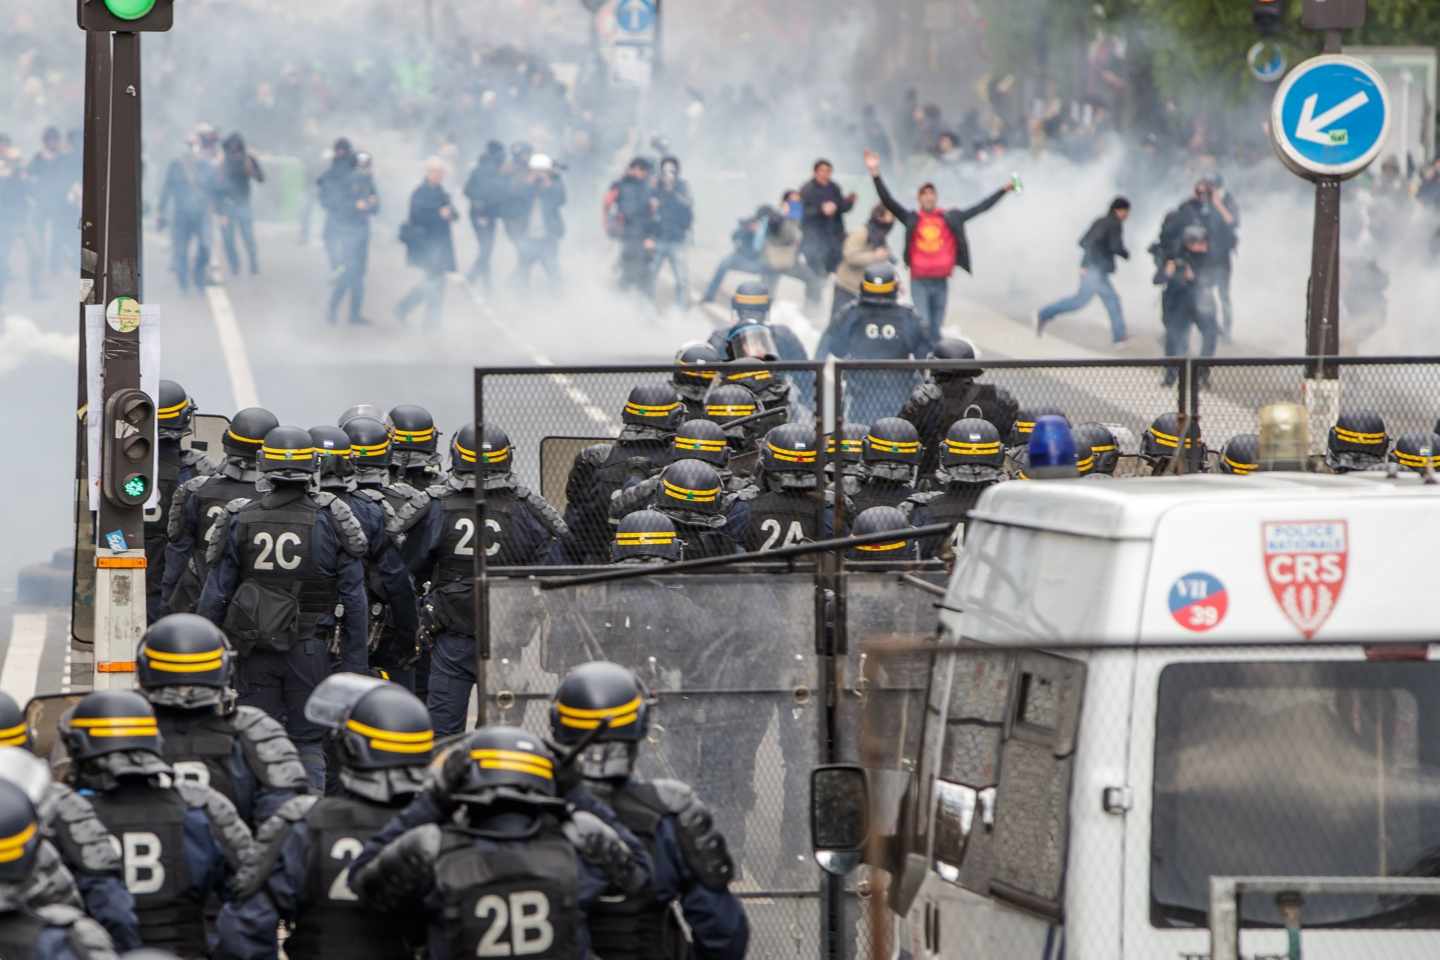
<point>186,670</point>
<point>845,452</point>
<point>972,459</point>
<point>199,506</point>
<point>770,390</point>
<point>1024,425</point>
<point>948,395</point>
<point>876,327</point>
<point>1417,451</point>
<point>645,536</point>
<point>42,931</point>
<point>520,529</point>
<point>874,520</point>
<point>692,865</point>
<point>278,571</point>
<point>1103,444</point>
<point>383,739</point>
<point>512,869</point>
<point>1161,444</point>
<point>728,402</point>
<point>415,445</point>
<point>691,383</point>
<point>652,412</point>
<point>394,648</point>
<point>702,440</point>
<point>180,842</point>
<point>387,579</point>
<point>80,841</point>
<point>174,414</point>
<point>750,306</point>
<point>892,455</point>
<point>711,523</point>
<point>1241,455</point>
<point>1358,441</point>
<point>784,513</point>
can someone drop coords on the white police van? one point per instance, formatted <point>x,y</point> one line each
<point>1141,684</point>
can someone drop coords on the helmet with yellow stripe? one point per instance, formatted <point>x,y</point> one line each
<point>506,763</point>
<point>690,486</point>
<point>414,441</point>
<point>383,735</point>
<point>1104,446</point>
<point>751,301</point>
<point>1024,424</point>
<point>246,434</point>
<point>653,405</point>
<point>19,837</point>
<point>369,443</point>
<point>333,452</point>
<point>1417,451</point>
<point>880,283</point>
<point>702,440</point>
<point>288,454</point>
<point>646,535</point>
<point>972,452</point>
<point>1241,455</point>
<point>730,401</point>
<point>691,379</point>
<point>184,661</point>
<point>1162,440</point>
<point>110,721</point>
<point>174,411</point>
<point>892,440</point>
<point>494,454</point>
<point>1358,441</point>
<point>875,520</point>
<point>789,448</point>
<point>14,730</point>
<point>849,446</point>
<point>603,705</point>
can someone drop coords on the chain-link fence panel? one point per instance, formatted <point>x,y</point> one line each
<point>730,663</point>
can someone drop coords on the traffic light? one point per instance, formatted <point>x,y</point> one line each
<point>1333,14</point>
<point>128,454</point>
<point>125,16</point>
<point>1269,15</point>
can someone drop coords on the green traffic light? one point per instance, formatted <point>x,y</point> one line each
<point>130,9</point>
<point>135,487</point>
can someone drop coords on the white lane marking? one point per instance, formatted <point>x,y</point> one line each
<point>232,345</point>
<point>22,659</point>
<point>577,396</point>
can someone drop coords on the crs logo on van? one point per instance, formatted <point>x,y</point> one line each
<point>1306,562</point>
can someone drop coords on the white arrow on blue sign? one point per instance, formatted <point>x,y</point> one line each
<point>635,16</point>
<point>1330,117</point>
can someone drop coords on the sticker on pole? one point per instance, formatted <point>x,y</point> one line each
<point>1330,117</point>
<point>1306,563</point>
<point>1198,601</point>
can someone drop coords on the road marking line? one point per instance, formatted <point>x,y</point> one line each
<point>232,345</point>
<point>21,673</point>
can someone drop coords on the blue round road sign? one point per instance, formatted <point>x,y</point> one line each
<point>1330,117</point>
<point>635,16</point>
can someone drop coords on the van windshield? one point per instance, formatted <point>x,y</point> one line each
<point>1296,769</point>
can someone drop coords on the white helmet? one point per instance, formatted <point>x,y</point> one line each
<point>541,163</point>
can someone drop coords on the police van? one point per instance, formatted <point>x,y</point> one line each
<point>1142,684</point>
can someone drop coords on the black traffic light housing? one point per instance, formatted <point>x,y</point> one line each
<point>1269,15</point>
<point>1333,14</point>
<point>128,448</point>
<point>125,16</point>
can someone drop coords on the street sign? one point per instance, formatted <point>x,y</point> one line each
<point>1330,117</point>
<point>635,16</point>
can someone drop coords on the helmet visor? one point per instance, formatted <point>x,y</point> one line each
<point>332,701</point>
<point>754,341</point>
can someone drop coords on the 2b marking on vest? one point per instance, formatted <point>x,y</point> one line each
<point>525,914</point>
<point>345,849</point>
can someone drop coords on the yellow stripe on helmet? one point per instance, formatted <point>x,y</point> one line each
<point>1416,460</point>
<point>651,409</point>
<point>791,456</point>
<point>883,547</point>
<point>516,761</point>
<point>95,723</point>
<point>239,439</point>
<point>1024,426</point>
<point>414,436</point>
<point>751,299</point>
<point>165,657</point>
<point>333,452</point>
<point>1364,439</point>
<point>280,453</point>
<point>849,445</point>
<point>749,375</point>
<point>698,443</point>
<point>1103,448</point>
<point>172,412</point>
<point>12,848</point>
<point>697,374</point>
<point>1169,440</point>
<point>643,538</point>
<point>1241,469</point>
<point>893,446</point>
<point>365,730</point>
<point>730,410</point>
<point>588,719</point>
<point>1085,466</point>
<point>151,731</point>
<point>690,496</point>
<point>887,287</point>
<point>13,736</point>
<point>370,449</point>
<point>968,449</point>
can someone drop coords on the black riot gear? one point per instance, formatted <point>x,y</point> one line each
<point>108,722</point>
<point>730,401</point>
<point>691,382</point>
<point>369,447</point>
<point>892,440</point>
<point>1357,442</point>
<point>19,835</point>
<point>850,446</point>
<point>751,301</point>
<point>1162,439</point>
<point>882,519</point>
<point>656,406</point>
<point>1417,451</point>
<point>495,454</point>
<point>789,449</point>
<point>607,698</point>
<point>702,440</point>
<point>506,763</point>
<point>784,512</point>
<point>1241,455</point>
<point>972,453</point>
<point>690,486</point>
<point>1025,420</point>
<point>288,454</point>
<point>880,283</point>
<point>334,456</point>
<point>14,731</point>
<point>751,341</point>
<point>892,455</point>
<point>247,433</point>
<point>955,394</point>
<point>955,348</point>
<point>645,535</point>
<point>1102,443</point>
<point>185,661</point>
<point>414,439</point>
<point>174,411</point>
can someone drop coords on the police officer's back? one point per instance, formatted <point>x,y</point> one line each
<point>953,394</point>
<point>788,509</point>
<point>174,414</point>
<point>692,865</point>
<point>415,445</point>
<point>892,454</point>
<point>877,327</point>
<point>972,458</point>
<point>691,379</point>
<point>511,870</point>
<point>198,506</point>
<point>845,457</point>
<point>285,561</point>
<point>186,670</point>
<point>180,842</point>
<point>383,739</point>
<point>751,306</point>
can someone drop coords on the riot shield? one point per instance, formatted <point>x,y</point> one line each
<point>557,456</point>
<point>729,662</point>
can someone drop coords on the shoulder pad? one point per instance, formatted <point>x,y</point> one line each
<point>270,751</point>
<point>51,882</point>
<point>225,824</point>
<point>182,493</point>
<point>928,391</point>
<point>90,940</point>
<point>414,507</point>
<point>268,839</point>
<point>701,843</point>
<point>71,820</point>
<point>352,535</point>
<point>439,491</point>
<point>215,536</point>
<point>193,485</point>
<point>746,494</point>
<point>595,454</point>
<point>915,501</point>
<point>599,845</point>
<point>673,795</point>
<point>236,505</point>
<point>544,512</point>
<point>369,493</point>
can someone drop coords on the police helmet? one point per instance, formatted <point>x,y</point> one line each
<point>1084,457</point>
<point>606,706</point>
<point>110,721</point>
<point>691,382</point>
<point>496,453</point>
<point>185,661</point>
<point>955,348</point>
<point>750,373</point>
<point>247,432</point>
<point>376,724</point>
<point>751,301</point>
<point>1102,443</point>
<point>332,448</point>
<point>849,446</point>
<point>880,283</point>
<point>730,401</point>
<point>19,836</point>
<point>414,441</point>
<point>174,412</point>
<point>891,439</point>
<point>972,451</point>
<point>14,731</point>
<point>789,448</point>
<point>654,405</point>
<point>1357,441</point>
<point>1025,423</point>
<point>371,410</point>
<point>690,486</point>
<point>369,442</point>
<point>288,453</point>
<point>702,440</point>
<point>1417,451</point>
<point>753,340</point>
<point>506,763</point>
<point>646,535</point>
<point>874,520</point>
<point>1241,455</point>
<point>1163,437</point>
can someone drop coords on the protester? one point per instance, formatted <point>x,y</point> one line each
<point>238,170</point>
<point>486,190</point>
<point>1102,243</point>
<point>823,226</point>
<point>428,244</point>
<point>865,245</point>
<point>539,198</point>
<point>675,212</point>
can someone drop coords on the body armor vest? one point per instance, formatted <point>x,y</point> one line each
<point>158,520</point>
<point>880,493</point>
<point>19,932</point>
<point>200,745</point>
<point>641,927</point>
<point>781,518</point>
<point>956,399</point>
<point>149,822</point>
<point>277,548</point>
<point>210,500</point>
<point>510,897</point>
<point>628,463</point>
<point>333,924</point>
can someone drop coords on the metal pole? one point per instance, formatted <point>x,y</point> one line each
<point>481,598</point>
<point>1322,321</point>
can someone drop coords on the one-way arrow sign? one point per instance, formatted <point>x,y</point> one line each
<point>1330,117</point>
<point>1312,128</point>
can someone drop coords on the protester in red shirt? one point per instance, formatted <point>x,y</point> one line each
<point>935,243</point>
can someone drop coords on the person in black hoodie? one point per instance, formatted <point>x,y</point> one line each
<point>1102,243</point>
<point>539,198</point>
<point>486,189</point>
<point>630,208</point>
<point>429,244</point>
<point>675,213</point>
<point>823,226</point>
<point>330,189</point>
<point>238,167</point>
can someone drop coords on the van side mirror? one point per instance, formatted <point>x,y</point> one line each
<point>839,816</point>
<point>42,722</point>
